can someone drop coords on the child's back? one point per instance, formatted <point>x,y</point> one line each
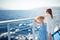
<point>42,32</point>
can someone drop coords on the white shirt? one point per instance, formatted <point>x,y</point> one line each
<point>49,22</point>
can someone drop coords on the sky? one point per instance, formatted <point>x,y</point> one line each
<point>28,4</point>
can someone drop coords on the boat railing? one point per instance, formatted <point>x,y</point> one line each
<point>16,20</point>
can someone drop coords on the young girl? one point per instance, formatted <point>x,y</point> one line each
<point>42,31</point>
<point>49,21</point>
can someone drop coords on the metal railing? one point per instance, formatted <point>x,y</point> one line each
<point>54,36</point>
<point>8,25</point>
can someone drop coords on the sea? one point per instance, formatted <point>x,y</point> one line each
<point>21,29</point>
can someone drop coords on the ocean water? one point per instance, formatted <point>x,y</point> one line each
<point>24,25</point>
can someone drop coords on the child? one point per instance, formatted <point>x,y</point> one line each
<point>42,31</point>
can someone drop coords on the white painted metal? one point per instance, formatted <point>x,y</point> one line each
<point>8,27</point>
<point>9,21</point>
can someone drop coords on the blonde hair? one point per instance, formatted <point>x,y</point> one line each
<point>39,17</point>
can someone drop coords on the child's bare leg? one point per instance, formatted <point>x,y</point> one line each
<point>50,36</point>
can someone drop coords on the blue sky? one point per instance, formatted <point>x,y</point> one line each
<point>28,4</point>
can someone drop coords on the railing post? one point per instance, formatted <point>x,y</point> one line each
<point>33,30</point>
<point>53,37</point>
<point>8,27</point>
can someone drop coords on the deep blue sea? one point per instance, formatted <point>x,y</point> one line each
<point>18,14</point>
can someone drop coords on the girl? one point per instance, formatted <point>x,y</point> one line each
<point>41,30</point>
<point>48,20</point>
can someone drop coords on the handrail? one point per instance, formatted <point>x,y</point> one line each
<point>8,21</point>
<point>55,32</point>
